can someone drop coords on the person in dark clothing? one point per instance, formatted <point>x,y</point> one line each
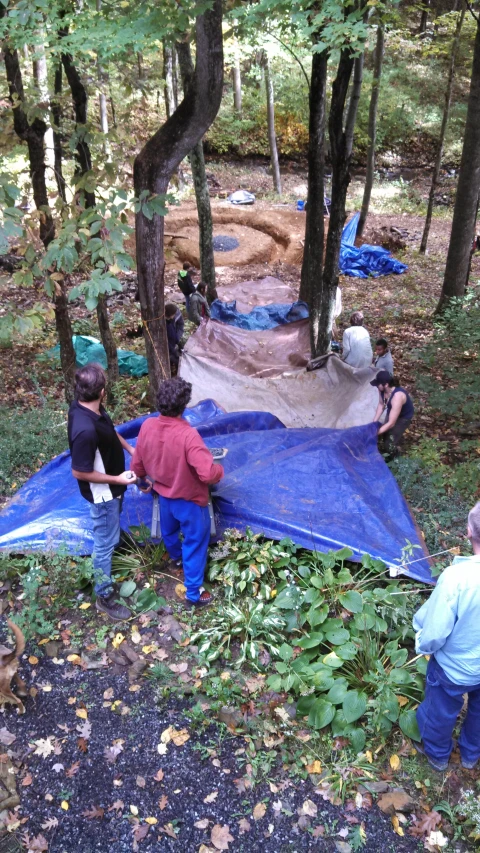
<point>185,283</point>
<point>399,411</point>
<point>199,309</point>
<point>175,326</point>
<point>98,464</point>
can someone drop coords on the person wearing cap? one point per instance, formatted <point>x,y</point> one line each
<point>397,404</point>
<point>356,345</point>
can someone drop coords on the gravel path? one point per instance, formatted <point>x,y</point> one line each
<point>75,724</point>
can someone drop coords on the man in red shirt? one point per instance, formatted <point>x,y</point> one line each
<point>173,455</point>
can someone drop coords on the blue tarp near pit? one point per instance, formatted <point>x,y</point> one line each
<point>324,488</point>
<point>261,317</point>
<point>366,261</point>
<point>88,349</point>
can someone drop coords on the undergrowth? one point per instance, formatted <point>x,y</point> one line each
<point>28,439</point>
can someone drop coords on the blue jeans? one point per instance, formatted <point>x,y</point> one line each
<point>106,536</point>
<point>193,521</point>
<point>187,304</point>
<point>438,713</point>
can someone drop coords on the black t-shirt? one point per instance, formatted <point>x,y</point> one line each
<point>95,446</point>
<point>185,283</point>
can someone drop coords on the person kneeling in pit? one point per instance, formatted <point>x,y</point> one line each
<point>397,404</point>
<point>174,456</point>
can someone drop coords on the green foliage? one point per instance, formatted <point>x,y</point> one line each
<point>28,439</point>
<point>10,215</point>
<point>334,631</point>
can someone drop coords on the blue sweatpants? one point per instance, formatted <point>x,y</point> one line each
<point>193,521</point>
<point>439,711</point>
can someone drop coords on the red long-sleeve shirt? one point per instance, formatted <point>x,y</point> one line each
<point>174,456</point>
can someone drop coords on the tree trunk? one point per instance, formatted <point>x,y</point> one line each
<point>372,127</point>
<point>467,192</point>
<point>443,128</point>
<point>102,100</point>
<point>311,288</point>
<point>197,162</point>
<point>237,80</point>
<point>424,17</point>
<point>33,134</point>
<point>354,100</point>
<point>272,139</point>
<point>40,77</point>
<point>170,105</point>
<point>340,153</point>
<point>64,332</point>
<point>57,133</point>
<point>80,104</point>
<point>110,346</point>
<point>112,107</point>
<point>153,168</point>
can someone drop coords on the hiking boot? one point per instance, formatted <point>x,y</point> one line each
<point>205,599</point>
<point>441,766</point>
<point>115,612</point>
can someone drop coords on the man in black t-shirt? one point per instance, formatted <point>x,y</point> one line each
<point>98,464</point>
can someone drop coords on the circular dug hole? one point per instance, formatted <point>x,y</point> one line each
<point>252,246</point>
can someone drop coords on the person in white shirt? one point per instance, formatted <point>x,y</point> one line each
<point>357,348</point>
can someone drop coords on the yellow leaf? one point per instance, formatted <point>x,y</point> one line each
<point>71,700</point>
<point>134,688</point>
<point>259,811</point>
<point>33,660</point>
<point>117,640</point>
<point>74,658</point>
<point>402,700</point>
<point>369,756</point>
<point>64,805</point>
<point>85,605</point>
<point>151,820</point>
<point>180,590</point>
<point>394,762</point>
<point>315,767</point>
<point>225,676</point>
<point>82,713</point>
<point>134,810</point>
<point>148,649</point>
<point>396,826</point>
<point>136,637</point>
<point>42,642</point>
<point>180,737</point>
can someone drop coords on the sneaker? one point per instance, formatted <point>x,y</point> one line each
<point>205,599</point>
<point>441,766</point>
<point>115,612</point>
<point>469,765</point>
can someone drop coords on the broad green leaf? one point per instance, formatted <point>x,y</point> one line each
<point>321,713</point>
<point>337,693</point>
<point>357,738</point>
<point>332,660</point>
<point>285,652</point>
<point>354,705</point>
<point>400,676</point>
<point>127,588</point>
<point>352,601</point>
<point>337,637</point>
<point>310,641</point>
<point>304,704</point>
<point>408,724</point>
<point>347,651</point>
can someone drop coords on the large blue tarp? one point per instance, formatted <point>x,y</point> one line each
<point>366,261</point>
<point>324,488</point>
<point>88,349</point>
<point>261,317</point>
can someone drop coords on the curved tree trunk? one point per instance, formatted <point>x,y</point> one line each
<point>372,127</point>
<point>272,138</point>
<point>169,91</point>
<point>465,210</point>
<point>204,209</point>
<point>102,100</point>
<point>40,76</point>
<point>311,288</point>
<point>354,100</point>
<point>57,133</point>
<point>153,169</point>
<point>443,128</point>
<point>80,105</point>
<point>108,342</point>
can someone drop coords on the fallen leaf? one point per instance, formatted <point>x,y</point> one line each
<point>7,737</point>
<point>64,805</point>
<point>45,746</point>
<point>140,781</point>
<point>314,767</point>
<point>74,659</point>
<point>28,781</point>
<point>82,744</point>
<point>180,590</point>
<point>162,748</point>
<point>38,844</point>
<point>33,660</point>
<point>220,837</point>
<point>202,824</point>
<point>395,801</point>
<point>85,605</point>
<point>394,762</point>
<point>309,808</point>
<point>178,667</point>
<point>136,637</point>
<point>177,737</point>
<point>259,811</point>
<point>111,753</point>
<point>117,640</point>
<point>108,694</point>
<point>134,810</point>
<point>151,820</point>
<point>58,768</point>
<point>50,823</point>
<point>319,831</point>
<point>117,806</point>
<point>94,812</point>
<point>82,713</point>
<point>44,641</point>
<point>71,700</point>
<point>210,798</point>
<point>140,831</point>
<point>169,829</point>
<point>47,688</point>
<point>244,825</point>
<point>427,824</point>
<point>437,839</point>
<point>159,775</point>
<point>134,688</point>
<point>162,803</point>
<point>396,825</point>
<point>74,768</point>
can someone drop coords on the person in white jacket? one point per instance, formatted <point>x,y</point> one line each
<point>357,347</point>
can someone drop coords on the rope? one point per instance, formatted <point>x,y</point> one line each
<point>146,322</point>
